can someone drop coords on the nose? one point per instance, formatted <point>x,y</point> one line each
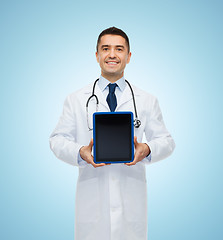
<point>112,53</point>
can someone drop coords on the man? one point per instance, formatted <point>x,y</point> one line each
<point>111,199</point>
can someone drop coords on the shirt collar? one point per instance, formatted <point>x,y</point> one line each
<point>103,83</point>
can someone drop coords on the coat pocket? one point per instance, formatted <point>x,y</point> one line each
<point>87,201</point>
<point>135,200</point>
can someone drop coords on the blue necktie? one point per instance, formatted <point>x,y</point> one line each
<point>111,98</point>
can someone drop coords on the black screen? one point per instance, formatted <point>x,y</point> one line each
<point>113,138</point>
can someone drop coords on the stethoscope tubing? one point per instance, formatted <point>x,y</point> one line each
<point>137,122</point>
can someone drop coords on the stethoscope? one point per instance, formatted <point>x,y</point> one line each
<point>136,123</point>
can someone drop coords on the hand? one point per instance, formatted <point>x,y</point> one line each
<point>141,151</point>
<point>85,153</point>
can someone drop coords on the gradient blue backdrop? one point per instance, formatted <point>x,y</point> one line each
<point>48,51</point>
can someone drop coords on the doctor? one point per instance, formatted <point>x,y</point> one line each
<point>111,199</point>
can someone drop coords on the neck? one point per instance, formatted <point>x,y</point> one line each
<point>111,77</point>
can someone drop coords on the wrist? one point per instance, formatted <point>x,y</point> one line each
<point>147,150</point>
<point>81,151</point>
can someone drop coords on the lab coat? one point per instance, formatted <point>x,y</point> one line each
<point>111,201</point>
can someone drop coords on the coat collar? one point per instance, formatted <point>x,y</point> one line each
<point>126,95</point>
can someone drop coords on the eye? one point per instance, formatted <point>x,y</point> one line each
<point>105,49</point>
<point>119,49</point>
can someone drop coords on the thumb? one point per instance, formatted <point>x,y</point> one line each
<point>135,141</point>
<point>91,143</point>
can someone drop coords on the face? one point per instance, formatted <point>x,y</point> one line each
<point>112,56</point>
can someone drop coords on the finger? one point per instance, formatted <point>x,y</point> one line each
<point>131,163</point>
<point>100,165</point>
<point>91,161</point>
<point>135,160</point>
<point>97,164</point>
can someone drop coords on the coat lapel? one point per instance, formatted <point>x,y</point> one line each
<point>98,93</point>
<point>101,97</point>
<point>126,96</point>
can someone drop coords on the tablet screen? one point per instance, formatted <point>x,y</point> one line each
<point>113,137</point>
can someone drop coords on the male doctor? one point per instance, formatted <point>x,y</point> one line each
<point>111,199</point>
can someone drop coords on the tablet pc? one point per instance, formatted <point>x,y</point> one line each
<point>113,137</point>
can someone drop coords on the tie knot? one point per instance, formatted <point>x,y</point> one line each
<point>112,87</point>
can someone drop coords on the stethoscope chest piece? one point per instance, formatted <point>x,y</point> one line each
<point>137,123</point>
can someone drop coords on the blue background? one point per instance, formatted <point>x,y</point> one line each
<point>48,51</point>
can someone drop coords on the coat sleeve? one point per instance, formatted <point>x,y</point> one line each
<point>158,138</point>
<point>62,140</point>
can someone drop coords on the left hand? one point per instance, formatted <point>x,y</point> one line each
<point>141,151</point>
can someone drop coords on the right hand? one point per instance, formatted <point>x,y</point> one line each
<point>85,153</point>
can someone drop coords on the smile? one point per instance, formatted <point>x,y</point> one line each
<point>112,63</point>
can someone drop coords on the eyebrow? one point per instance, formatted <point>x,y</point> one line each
<point>121,46</point>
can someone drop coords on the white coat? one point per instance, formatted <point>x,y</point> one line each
<point>111,201</point>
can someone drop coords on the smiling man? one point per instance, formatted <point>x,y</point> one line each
<point>112,54</point>
<point>111,199</point>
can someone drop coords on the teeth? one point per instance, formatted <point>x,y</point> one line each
<point>112,63</point>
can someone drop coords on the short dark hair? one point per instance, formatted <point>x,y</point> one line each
<point>113,31</point>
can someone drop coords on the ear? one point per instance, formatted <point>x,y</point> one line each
<point>97,57</point>
<point>129,56</point>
